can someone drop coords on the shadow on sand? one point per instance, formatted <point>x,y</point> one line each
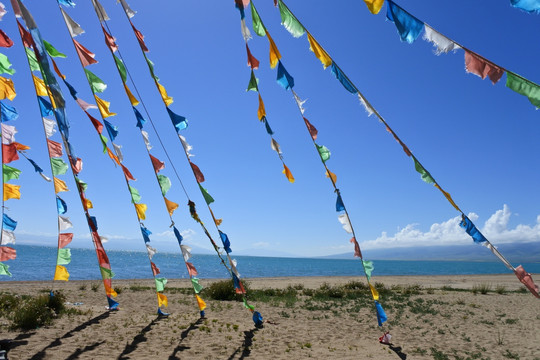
<point>244,349</point>
<point>58,341</point>
<point>180,347</point>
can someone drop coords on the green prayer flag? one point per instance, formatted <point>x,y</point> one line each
<point>4,269</point>
<point>207,197</point>
<point>34,65</point>
<point>151,66</point>
<point>164,184</point>
<point>98,86</point>
<point>64,257</point>
<point>10,173</point>
<point>524,87</point>
<point>5,65</point>
<point>323,152</point>
<point>82,184</point>
<point>106,273</point>
<point>160,284</point>
<point>121,68</point>
<point>196,286</point>
<point>290,22</point>
<point>104,142</point>
<point>135,196</point>
<point>253,83</point>
<point>426,176</point>
<point>247,306</point>
<point>52,51</point>
<point>258,26</point>
<point>368,268</point>
<point>59,167</point>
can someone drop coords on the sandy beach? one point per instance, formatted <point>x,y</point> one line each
<point>430,317</point>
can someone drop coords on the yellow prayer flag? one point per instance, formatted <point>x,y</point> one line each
<point>104,107</point>
<point>319,52</point>
<point>12,191</point>
<point>7,89</point>
<point>331,175</point>
<point>171,206</point>
<point>110,291</point>
<point>61,273</point>
<point>274,52</point>
<point>200,302</point>
<point>449,198</point>
<point>288,173</point>
<point>88,204</point>
<point>166,98</point>
<point>59,185</point>
<point>261,113</point>
<point>141,210</point>
<point>374,5</point>
<point>374,292</point>
<point>217,221</point>
<point>162,300</point>
<point>41,89</point>
<point>132,98</point>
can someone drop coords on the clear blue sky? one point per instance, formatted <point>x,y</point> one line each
<point>480,141</point>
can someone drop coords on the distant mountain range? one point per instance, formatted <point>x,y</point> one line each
<point>523,252</point>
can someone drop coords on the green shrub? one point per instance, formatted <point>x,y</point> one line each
<point>481,288</point>
<point>500,289</point>
<point>33,313</point>
<point>224,290</point>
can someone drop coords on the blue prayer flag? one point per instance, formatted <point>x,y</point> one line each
<point>112,130</point>
<point>226,242</point>
<point>178,235</point>
<point>63,124</point>
<point>8,223</point>
<point>7,112</point>
<point>146,234</point>
<point>112,304</point>
<point>407,25</point>
<point>36,166</point>
<point>284,78</point>
<point>527,5</point>
<point>342,78</point>
<point>67,3</point>
<point>381,315</point>
<point>179,122</point>
<point>257,319</point>
<point>61,205</point>
<point>339,203</point>
<point>45,107</point>
<point>140,120</point>
<point>471,229</point>
<point>268,128</point>
<point>72,90</point>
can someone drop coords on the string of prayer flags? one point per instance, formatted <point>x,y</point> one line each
<point>179,122</point>
<point>515,82</point>
<point>35,43</point>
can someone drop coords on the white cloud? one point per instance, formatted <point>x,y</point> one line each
<point>450,233</point>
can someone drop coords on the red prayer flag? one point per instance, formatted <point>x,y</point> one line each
<point>127,173</point>
<point>5,41</point>
<point>405,148</point>
<point>312,130</point>
<point>252,61</point>
<point>109,40</point>
<point>103,259</point>
<point>77,166</point>
<point>140,37</point>
<point>9,153</point>
<point>198,174</point>
<point>55,148</point>
<point>357,252</point>
<point>25,35</point>
<point>157,164</point>
<point>526,279</point>
<point>97,124</point>
<point>64,239</point>
<point>155,269</point>
<point>482,67</point>
<point>191,269</point>
<point>56,70</point>
<point>7,253</point>
<point>86,56</point>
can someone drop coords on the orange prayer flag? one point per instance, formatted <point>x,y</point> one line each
<point>57,70</point>
<point>162,300</point>
<point>59,185</point>
<point>132,98</point>
<point>274,52</point>
<point>7,89</point>
<point>20,146</point>
<point>166,98</point>
<point>11,191</point>
<point>448,197</point>
<point>261,112</point>
<point>61,273</point>
<point>288,173</point>
<point>171,206</point>
<point>141,211</point>
<point>114,157</point>
<point>200,302</point>
<point>108,288</point>
<point>331,175</point>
